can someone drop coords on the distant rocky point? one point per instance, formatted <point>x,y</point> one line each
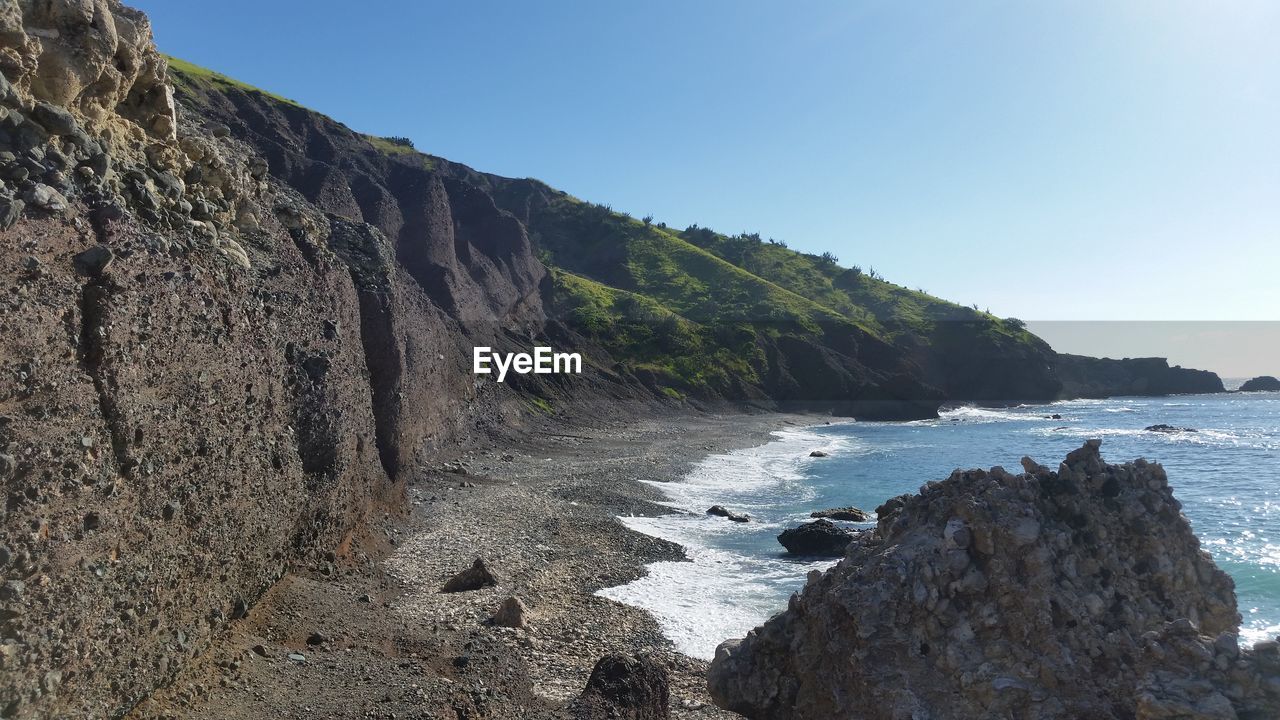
<point>1262,383</point>
<point>1074,593</point>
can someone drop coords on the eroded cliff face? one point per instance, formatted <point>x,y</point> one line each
<point>1080,592</point>
<point>206,375</point>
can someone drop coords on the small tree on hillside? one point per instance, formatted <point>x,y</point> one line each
<point>829,258</point>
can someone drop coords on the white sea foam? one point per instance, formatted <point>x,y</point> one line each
<point>719,594</point>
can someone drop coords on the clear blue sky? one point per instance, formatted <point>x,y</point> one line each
<point>1049,160</point>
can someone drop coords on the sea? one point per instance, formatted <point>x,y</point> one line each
<point>1227,475</point>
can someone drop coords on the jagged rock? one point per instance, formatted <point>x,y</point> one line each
<point>847,514</point>
<point>1162,428</point>
<point>473,578</point>
<point>511,613</point>
<point>724,512</point>
<point>1262,383</point>
<point>1069,594</point>
<point>819,538</point>
<point>10,211</point>
<point>622,687</point>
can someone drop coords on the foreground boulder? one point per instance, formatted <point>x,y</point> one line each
<point>847,514</point>
<point>622,687</point>
<point>1262,383</point>
<point>1069,594</point>
<point>820,538</point>
<point>473,578</point>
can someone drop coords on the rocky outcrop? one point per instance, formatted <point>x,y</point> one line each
<point>722,511</point>
<point>847,514</point>
<point>1079,592</point>
<point>1262,383</point>
<point>820,538</point>
<point>1086,377</point>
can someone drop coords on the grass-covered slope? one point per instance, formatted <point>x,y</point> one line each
<point>691,314</point>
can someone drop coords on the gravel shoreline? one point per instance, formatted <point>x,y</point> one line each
<point>368,634</point>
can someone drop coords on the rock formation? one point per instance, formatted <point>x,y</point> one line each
<point>1262,383</point>
<point>847,514</point>
<point>231,326</point>
<point>819,538</point>
<point>1080,592</point>
<point>724,512</point>
<point>1086,377</point>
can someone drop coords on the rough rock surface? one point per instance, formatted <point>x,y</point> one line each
<point>473,578</point>
<point>1262,383</point>
<point>1067,594</point>
<point>623,687</point>
<point>847,514</point>
<point>818,538</point>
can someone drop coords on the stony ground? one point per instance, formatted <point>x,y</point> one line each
<point>367,634</point>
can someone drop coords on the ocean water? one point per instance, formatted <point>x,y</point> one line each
<point>1227,476</point>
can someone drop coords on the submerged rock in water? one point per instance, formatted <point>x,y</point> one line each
<point>724,512</point>
<point>848,514</point>
<point>818,454</point>
<point>821,537</point>
<point>1262,383</point>
<point>1068,594</point>
<point>1162,428</point>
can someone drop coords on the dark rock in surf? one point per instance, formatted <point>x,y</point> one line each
<point>1169,429</point>
<point>819,538</point>
<point>817,453</point>
<point>847,514</point>
<point>724,512</point>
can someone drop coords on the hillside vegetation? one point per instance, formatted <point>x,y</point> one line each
<point>699,314</point>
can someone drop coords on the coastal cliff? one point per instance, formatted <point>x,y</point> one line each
<point>1079,592</point>
<point>235,327</point>
<point>1087,377</point>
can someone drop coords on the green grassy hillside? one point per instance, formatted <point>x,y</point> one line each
<point>702,314</point>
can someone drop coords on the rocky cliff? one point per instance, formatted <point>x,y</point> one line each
<point>1087,377</point>
<point>1079,592</point>
<point>233,325</point>
<point>208,374</point>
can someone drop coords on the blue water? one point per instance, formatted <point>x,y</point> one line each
<point>1227,476</point>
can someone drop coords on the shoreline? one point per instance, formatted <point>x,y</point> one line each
<point>542,509</point>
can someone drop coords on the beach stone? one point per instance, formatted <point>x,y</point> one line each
<point>818,454</point>
<point>473,578</point>
<point>1054,595</point>
<point>818,538</point>
<point>625,687</point>
<point>511,613</point>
